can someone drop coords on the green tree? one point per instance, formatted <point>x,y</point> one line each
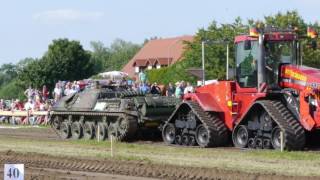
<point>64,60</point>
<point>215,54</point>
<point>114,57</point>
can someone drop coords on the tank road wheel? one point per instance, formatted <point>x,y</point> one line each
<point>76,130</point>
<point>65,130</point>
<point>103,131</point>
<point>88,130</point>
<point>241,136</point>
<point>169,133</point>
<point>56,123</point>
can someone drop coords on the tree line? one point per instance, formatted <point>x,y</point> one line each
<point>215,54</point>
<point>64,60</point>
<point>67,59</point>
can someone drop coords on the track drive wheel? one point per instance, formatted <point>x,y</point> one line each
<point>76,130</point>
<point>276,138</point>
<point>65,130</point>
<point>240,136</point>
<point>202,136</point>
<point>124,128</point>
<point>103,131</point>
<point>169,133</point>
<point>88,130</point>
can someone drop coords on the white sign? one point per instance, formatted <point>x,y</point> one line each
<point>14,172</point>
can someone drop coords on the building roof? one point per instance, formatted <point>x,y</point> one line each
<point>159,51</point>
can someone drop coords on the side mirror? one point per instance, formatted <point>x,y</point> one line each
<point>247,45</point>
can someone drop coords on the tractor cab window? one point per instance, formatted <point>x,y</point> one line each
<point>277,53</point>
<point>246,59</point>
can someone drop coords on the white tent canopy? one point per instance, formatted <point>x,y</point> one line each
<point>114,75</point>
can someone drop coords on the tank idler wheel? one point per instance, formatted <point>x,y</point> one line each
<point>275,138</point>
<point>76,130</point>
<point>102,133</point>
<point>65,130</point>
<point>56,123</point>
<point>202,136</point>
<point>169,133</point>
<point>240,136</point>
<point>88,130</point>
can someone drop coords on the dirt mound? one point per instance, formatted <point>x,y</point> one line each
<point>129,168</point>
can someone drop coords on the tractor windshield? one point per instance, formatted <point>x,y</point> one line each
<point>277,53</point>
<point>246,59</point>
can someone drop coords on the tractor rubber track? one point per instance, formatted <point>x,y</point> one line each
<point>218,133</point>
<point>294,134</point>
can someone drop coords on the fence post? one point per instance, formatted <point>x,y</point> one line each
<point>98,133</point>
<point>111,146</point>
<point>281,141</point>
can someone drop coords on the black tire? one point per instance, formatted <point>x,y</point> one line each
<point>169,133</point>
<point>88,130</point>
<point>240,136</point>
<point>275,138</point>
<point>65,130</point>
<point>102,133</point>
<point>77,131</point>
<point>202,136</point>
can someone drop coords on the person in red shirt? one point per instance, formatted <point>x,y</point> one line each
<point>45,93</point>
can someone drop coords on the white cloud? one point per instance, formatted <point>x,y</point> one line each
<point>60,16</point>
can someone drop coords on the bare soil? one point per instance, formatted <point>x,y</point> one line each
<point>43,166</point>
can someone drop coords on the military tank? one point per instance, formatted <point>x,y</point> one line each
<point>109,111</point>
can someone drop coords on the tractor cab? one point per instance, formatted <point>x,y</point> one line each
<point>260,55</point>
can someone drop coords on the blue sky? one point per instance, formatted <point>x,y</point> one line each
<point>28,27</point>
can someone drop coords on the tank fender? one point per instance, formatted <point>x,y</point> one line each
<point>206,101</point>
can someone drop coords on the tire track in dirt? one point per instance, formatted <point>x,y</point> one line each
<point>131,168</point>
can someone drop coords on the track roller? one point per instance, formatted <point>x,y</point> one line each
<point>88,130</point>
<point>103,131</point>
<point>65,130</point>
<point>76,130</point>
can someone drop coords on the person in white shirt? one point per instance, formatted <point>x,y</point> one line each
<point>188,89</point>
<point>57,92</point>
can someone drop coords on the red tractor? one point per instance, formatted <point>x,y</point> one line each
<point>272,95</point>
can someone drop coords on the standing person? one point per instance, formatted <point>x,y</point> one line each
<point>170,90</point>
<point>57,92</point>
<point>155,89</point>
<point>29,92</point>
<point>188,89</point>
<point>178,92</point>
<point>45,93</point>
<point>142,77</point>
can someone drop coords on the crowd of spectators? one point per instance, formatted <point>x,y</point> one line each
<point>38,100</point>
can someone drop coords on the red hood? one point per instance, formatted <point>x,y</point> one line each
<point>301,76</point>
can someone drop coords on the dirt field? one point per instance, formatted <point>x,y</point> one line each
<point>47,157</point>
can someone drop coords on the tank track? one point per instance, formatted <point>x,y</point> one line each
<point>294,135</point>
<point>133,126</point>
<point>218,133</point>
